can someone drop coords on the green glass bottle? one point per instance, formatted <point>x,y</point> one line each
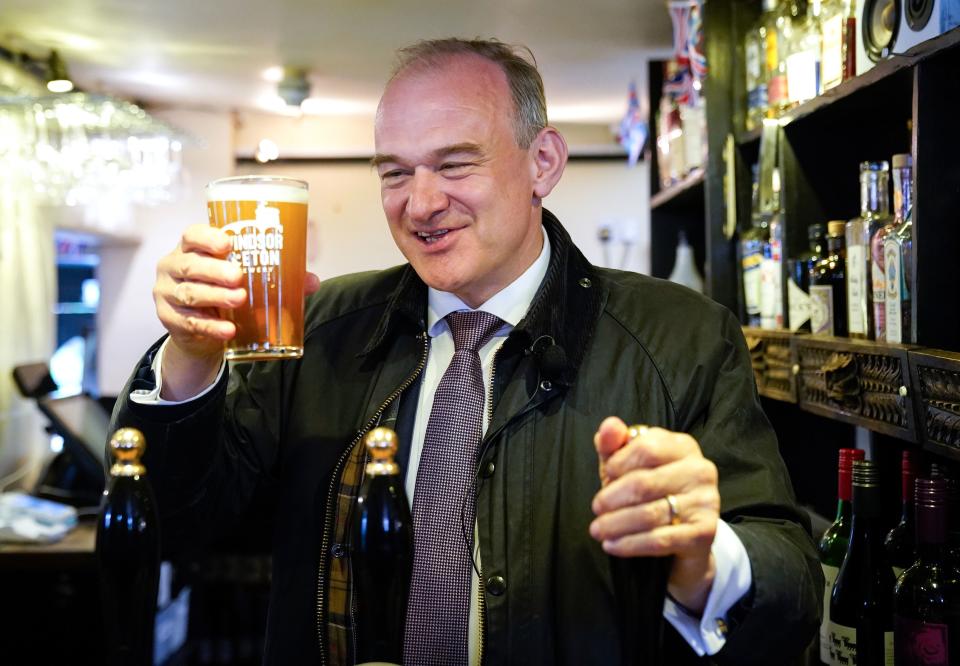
<point>833,545</point>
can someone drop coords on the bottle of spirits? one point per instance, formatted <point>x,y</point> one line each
<point>803,59</point>
<point>833,544</point>
<point>879,200</point>
<point>776,18</point>
<point>901,542</point>
<point>828,289</point>
<point>128,554</point>
<point>898,254</point>
<point>861,604</point>
<point>838,25</point>
<point>752,243</point>
<point>382,551</point>
<point>771,269</point>
<point>756,85</point>
<point>927,595</point>
<point>873,216</point>
<point>798,281</point>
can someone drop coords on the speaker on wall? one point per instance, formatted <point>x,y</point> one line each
<point>879,24</point>
<point>921,20</point>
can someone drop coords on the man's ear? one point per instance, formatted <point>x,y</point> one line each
<point>549,154</point>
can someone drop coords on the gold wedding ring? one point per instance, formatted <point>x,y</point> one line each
<point>674,516</point>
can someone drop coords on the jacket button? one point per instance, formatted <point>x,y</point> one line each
<point>338,550</point>
<point>586,283</point>
<point>496,585</point>
<point>546,385</point>
<point>489,469</point>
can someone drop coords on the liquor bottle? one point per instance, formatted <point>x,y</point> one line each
<point>898,254</point>
<point>382,554</point>
<point>828,289</point>
<point>752,243</point>
<point>873,216</point>
<point>838,25</point>
<point>803,59</point>
<point>756,85</point>
<point>128,554</point>
<point>861,604</point>
<point>771,269</point>
<point>776,21</point>
<point>901,542</point>
<point>798,281</point>
<point>685,266</point>
<point>878,199</point>
<point>927,595</point>
<point>833,544</point>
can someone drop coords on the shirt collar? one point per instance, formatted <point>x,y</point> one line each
<point>510,303</point>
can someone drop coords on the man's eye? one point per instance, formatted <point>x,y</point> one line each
<point>454,167</point>
<point>391,175</point>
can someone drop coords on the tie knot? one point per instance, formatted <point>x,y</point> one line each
<point>472,329</point>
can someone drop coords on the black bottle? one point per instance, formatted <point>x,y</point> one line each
<point>128,554</point>
<point>798,281</point>
<point>382,549</point>
<point>901,541</point>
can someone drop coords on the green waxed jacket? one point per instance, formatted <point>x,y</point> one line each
<point>643,349</point>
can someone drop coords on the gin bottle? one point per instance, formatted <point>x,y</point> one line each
<point>898,254</point>
<point>873,216</point>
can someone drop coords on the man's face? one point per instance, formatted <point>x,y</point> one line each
<point>457,190</point>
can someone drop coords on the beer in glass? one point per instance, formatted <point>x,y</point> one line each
<point>266,219</point>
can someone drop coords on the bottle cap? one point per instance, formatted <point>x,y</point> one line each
<point>881,165</point>
<point>866,474</point>
<point>127,446</point>
<point>930,492</point>
<point>902,160</point>
<point>845,476</point>
<point>836,227</point>
<point>381,446</point>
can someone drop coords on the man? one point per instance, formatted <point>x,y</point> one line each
<point>686,543</point>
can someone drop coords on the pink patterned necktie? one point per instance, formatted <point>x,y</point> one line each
<point>438,611</point>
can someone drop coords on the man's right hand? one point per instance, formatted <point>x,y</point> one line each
<point>194,284</point>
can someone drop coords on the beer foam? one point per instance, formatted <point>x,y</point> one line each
<point>262,191</point>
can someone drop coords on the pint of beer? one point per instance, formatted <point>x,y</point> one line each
<point>266,218</point>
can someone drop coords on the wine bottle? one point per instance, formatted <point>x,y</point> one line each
<point>833,545</point>
<point>861,604</point>
<point>927,595</point>
<point>828,285</point>
<point>901,540</point>
<point>382,554</point>
<point>128,554</point>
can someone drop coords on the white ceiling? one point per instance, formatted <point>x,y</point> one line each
<point>213,53</point>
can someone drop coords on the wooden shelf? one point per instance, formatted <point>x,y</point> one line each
<point>905,391</point>
<point>683,191</point>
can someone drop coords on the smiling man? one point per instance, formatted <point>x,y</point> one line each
<point>506,362</point>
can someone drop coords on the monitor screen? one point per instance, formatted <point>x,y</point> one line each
<point>83,424</point>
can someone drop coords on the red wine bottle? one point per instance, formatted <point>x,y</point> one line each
<point>861,605</point>
<point>833,545</point>
<point>901,542</point>
<point>128,554</point>
<point>927,596</point>
<point>382,551</point>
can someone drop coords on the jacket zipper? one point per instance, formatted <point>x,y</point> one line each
<point>328,520</point>
<point>482,587</point>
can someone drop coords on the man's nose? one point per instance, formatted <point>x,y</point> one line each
<point>426,195</point>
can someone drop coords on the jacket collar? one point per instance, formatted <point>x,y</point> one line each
<point>565,309</point>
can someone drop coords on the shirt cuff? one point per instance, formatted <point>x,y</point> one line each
<point>152,396</point>
<point>708,633</point>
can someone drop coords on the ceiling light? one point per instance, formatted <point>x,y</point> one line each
<point>273,74</point>
<point>294,87</point>
<point>58,81</point>
<point>267,150</point>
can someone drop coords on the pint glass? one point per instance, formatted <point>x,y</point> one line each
<point>266,218</point>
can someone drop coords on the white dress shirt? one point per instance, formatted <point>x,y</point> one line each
<point>707,634</point>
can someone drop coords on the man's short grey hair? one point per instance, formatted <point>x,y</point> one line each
<point>516,62</point>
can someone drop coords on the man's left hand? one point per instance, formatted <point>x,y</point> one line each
<point>659,497</point>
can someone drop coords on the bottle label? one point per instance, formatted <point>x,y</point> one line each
<point>829,578</point>
<point>752,56</point>
<point>777,89</point>
<point>821,309</point>
<point>893,297</point>
<point>857,289</point>
<point>879,281</point>
<point>798,303</point>
<point>802,75</point>
<point>751,282</point>
<point>832,54</point>
<point>767,314</point>
<point>842,645</point>
<point>919,643</point>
